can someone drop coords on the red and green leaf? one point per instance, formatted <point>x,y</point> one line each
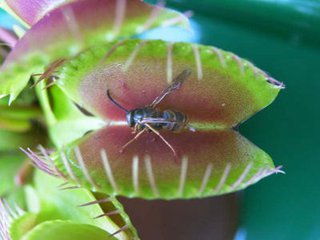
<point>33,10</point>
<point>209,163</point>
<point>71,28</point>
<point>222,91</point>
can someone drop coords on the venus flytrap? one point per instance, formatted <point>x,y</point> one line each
<point>222,91</point>
<point>74,52</point>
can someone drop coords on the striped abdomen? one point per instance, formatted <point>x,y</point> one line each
<point>177,120</point>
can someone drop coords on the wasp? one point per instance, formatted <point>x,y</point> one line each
<point>152,119</point>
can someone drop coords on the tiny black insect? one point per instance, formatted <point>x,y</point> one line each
<point>150,118</point>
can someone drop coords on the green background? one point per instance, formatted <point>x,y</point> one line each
<point>283,38</point>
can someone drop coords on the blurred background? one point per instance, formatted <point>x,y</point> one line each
<point>281,37</point>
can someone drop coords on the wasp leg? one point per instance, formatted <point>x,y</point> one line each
<point>135,129</point>
<point>131,141</point>
<point>165,141</point>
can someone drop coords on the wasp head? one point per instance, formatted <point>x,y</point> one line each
<point>134,117</point>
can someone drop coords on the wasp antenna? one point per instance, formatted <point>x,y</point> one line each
<point>114,102</point>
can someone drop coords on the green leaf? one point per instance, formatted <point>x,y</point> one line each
<point>18,117</point>
<point>66,230</point>
<point>11,141</point>
<point>9,165</point>
<point>23,224</point>
<point>64,120</point>
<point>56,203</point>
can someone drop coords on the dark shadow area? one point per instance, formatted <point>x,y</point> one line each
<point>205,219</point>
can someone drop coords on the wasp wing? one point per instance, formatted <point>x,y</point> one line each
<point>175,85</point>
<point>151,120</point>
<point>163,121</point>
